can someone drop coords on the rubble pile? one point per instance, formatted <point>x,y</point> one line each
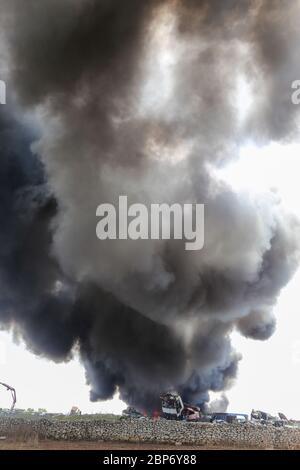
<point>157,431</point>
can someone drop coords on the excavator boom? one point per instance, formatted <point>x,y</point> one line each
<point>13,394</point>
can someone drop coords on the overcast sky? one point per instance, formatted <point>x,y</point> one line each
<point>269,373</point>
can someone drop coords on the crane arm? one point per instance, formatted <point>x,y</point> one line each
<point>13,394</point>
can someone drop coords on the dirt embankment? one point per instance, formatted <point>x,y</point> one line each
<point>100,445</point>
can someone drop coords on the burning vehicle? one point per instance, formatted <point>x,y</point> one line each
<point>174,408</point>
<point>172,405</point>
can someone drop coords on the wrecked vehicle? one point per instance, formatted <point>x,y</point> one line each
<point>172,405</point>
<point>229,418</point>
<point>289,423</point>
<point>75,411</point>
<point>174,408</point>
<point>191,413</point>
<point>262,417</point>
<point>131,412</point>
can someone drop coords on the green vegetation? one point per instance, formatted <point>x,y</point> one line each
<point>88,417</point>
<point>31,414</point>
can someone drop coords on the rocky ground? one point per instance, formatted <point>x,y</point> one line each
<point>143,433</point>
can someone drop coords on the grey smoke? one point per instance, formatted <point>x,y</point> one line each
<point>219,405</point>
<point>257,325</point>
<point>145,316</point>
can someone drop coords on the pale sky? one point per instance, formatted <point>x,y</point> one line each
<point>269,373</point>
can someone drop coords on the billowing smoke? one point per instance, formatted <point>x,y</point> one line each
<point>142,98</point>
<point>219,405</point>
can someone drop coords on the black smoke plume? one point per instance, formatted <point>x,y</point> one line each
<point>140,98</point>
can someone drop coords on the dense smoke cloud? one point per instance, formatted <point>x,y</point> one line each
<point>141,98</point>
<point>219,405</point>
